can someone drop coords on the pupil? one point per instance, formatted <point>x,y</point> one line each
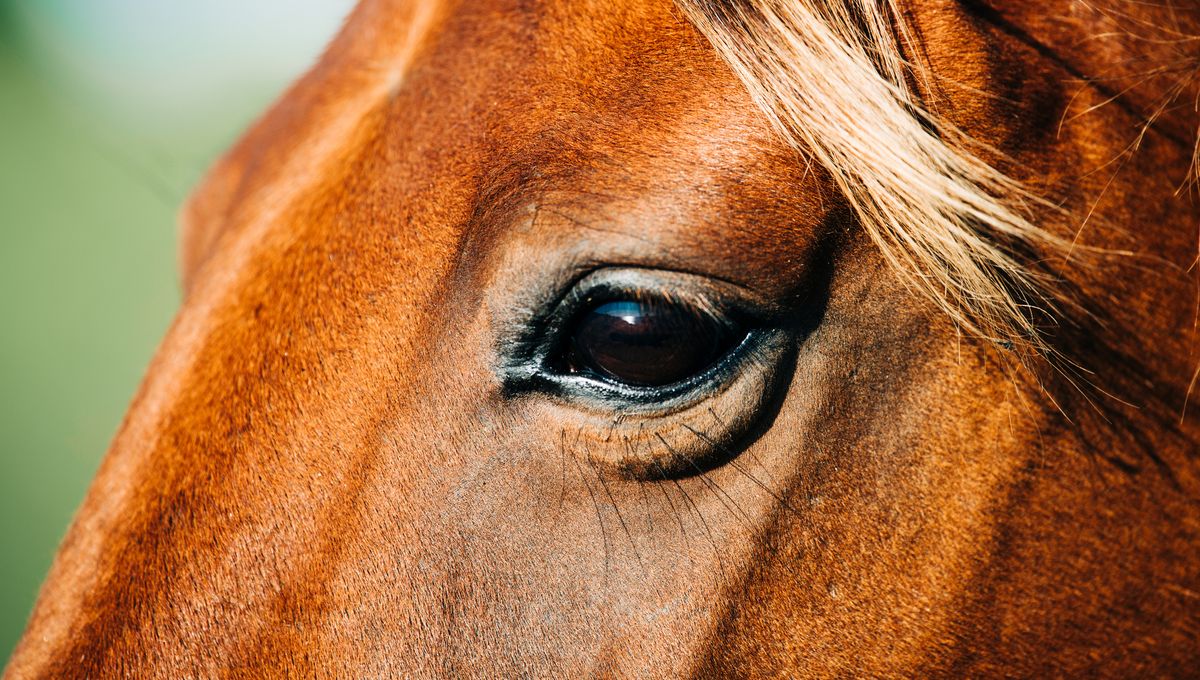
<point>645,343</point>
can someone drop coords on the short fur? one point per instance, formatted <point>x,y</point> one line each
<point>326,474</point>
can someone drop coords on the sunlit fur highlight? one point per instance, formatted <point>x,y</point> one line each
<point>949,223</point>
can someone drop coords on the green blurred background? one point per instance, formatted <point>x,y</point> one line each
<point>109,111</point>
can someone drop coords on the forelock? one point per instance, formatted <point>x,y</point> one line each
<point>831,77</point>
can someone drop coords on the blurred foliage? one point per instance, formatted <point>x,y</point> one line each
<point>86,287</point>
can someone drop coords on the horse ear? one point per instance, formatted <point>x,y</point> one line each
<point>208,211</point>
<point>202,214</point>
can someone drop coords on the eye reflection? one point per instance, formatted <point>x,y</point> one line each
<point>648,343</point>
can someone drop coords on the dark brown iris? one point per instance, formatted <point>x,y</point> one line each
<point>646,343</point>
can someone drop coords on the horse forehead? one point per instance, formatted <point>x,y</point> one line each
<point>480,86</point>
<point>512,91</point>
<point>400,145</point>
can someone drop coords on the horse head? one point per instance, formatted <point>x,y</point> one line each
<point>650,338</point>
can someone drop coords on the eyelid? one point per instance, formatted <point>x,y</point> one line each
<point>604,286</point>
<point>700,306</point>
<point>706,295</point>
<point>594,344</point>
<point>527,357</point>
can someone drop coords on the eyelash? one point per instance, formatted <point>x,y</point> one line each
<point>535,374</point>
<point>561,335</point>
<point>527,348</point>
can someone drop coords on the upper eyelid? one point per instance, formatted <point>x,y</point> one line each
<point>558,322</point>
<point>704,306</point>
<point>524,337</point>
<point>718,294</point>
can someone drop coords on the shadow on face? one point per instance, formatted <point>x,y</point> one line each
<point>514,340</point>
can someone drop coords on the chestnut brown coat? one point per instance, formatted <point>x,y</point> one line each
<point>349,458</point>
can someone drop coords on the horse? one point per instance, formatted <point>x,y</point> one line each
<point>691,338</point>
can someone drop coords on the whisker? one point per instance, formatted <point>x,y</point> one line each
<point>749,452</point>
<point>629,450</point>
<point>733,463</point>
<point>736,510</point>
<point>674,510</point>
<point>599,515</point>
<point>620,517</point>
<point>703,522</point>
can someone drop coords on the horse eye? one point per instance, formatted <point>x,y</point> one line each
<point>647,343</point>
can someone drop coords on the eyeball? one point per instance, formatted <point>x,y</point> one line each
<point>649,342</point>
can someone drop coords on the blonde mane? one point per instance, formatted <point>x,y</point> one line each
<point>831,77</point>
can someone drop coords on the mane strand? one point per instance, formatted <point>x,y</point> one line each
<point>831,78</point>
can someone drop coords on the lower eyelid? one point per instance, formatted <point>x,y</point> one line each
<point>702,431</point>
<point>530,349</point>
<point>758,346</point>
